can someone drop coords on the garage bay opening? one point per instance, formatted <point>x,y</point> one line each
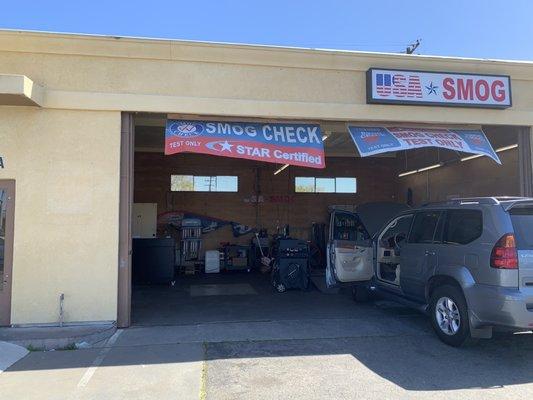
<point>220,239</point>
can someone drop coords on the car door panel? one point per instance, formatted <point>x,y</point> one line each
<point>419,257</point>
<point>352,262</point>
<point>418,263</point>
<point>349,250</point>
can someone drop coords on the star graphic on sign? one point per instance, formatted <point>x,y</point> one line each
<point>225,146</point>
<point>432,88</point>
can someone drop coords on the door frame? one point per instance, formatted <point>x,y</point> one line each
<point>9,185</point>
<point>525,161</point>
<point>377,239</point>
<point>125,206</point>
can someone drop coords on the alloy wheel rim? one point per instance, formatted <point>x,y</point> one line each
<point>448,316</point>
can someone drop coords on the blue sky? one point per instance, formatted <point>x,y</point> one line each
<point>470,28</point>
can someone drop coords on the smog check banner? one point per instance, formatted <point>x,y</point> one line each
<point>371,140</point>
<point>294,144</point>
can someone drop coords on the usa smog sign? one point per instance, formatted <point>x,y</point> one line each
<point>392,86</point>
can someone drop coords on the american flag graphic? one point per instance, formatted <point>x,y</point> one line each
<point>414,89</point>
<point>384,84</point>
<point>399,85</point>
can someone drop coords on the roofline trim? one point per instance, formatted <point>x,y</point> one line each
<point>187,50</point>
<point>216,106</point>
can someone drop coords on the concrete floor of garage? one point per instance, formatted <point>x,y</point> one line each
<point>187,302</point>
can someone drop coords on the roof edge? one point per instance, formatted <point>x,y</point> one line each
<point>15,40</point>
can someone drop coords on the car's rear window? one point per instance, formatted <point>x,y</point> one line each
<point>522,219</point>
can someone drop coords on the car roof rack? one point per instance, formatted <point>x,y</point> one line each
<point>476,200</point>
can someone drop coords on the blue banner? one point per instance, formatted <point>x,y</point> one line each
<point>371,140</point>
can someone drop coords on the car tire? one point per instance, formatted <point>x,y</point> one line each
<point>360,294</point>
<point>449,315</point>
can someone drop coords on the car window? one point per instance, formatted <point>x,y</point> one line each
<point>462,226</point>
<point>397,232</point>
<point>348,227</point>
<point>522,220</point>
<point>423,230</point>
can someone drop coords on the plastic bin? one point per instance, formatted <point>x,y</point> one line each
<point>212,262</point>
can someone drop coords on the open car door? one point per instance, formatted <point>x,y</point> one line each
<point>349,250</point>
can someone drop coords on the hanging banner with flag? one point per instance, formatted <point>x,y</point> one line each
<point>294,144</point>
<point>371,140</point>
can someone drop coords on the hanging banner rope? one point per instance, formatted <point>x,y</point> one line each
<point>371,140</point>
<point>294,144</point>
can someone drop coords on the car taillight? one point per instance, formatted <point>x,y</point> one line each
<point>504,254</point>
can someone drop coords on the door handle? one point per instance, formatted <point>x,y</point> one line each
<point>429,253</point>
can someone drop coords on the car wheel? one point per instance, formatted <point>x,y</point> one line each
<point>449,315</point>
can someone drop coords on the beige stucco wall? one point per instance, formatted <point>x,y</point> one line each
<point>66,167</point>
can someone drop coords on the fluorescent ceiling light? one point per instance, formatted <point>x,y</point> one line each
<point>408,173</point>
<point>513,146</point>
<point>471,157</point>
<point>420,170</point>
<point>430,167</point>
<point>281,169</point>
<point>510,147</point>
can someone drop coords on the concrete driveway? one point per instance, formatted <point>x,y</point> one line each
<point>382,352</point>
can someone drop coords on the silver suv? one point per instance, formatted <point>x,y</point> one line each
<point>466,262</point>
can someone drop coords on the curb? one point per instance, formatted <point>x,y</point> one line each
<point>79,341</point>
